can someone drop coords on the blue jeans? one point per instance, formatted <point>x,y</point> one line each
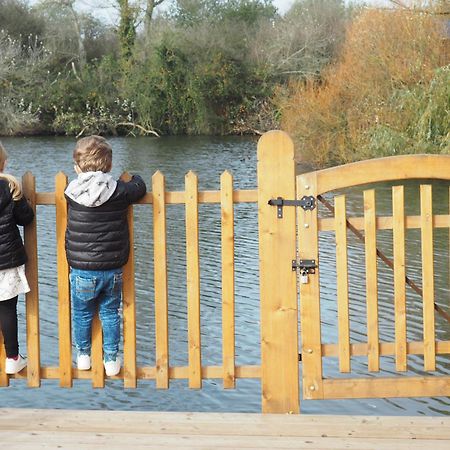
<point>92,289</point>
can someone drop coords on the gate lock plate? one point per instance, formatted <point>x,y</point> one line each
<point>306,266</point>
<point>307,202</point>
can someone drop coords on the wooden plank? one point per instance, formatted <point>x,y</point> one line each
<point>426,213</point>
<point>193,281</point>
<point>371,280</point>
<point>436,167</point>
<point>228,325</point>
<point>398,213</point>
<point>386,349</point>
<point>386,222</point>
<point>50,428</point>
<point>342,284</point>
<point>119,440</point>
<point>172,198</point>
<point>161,290</point>
<point>387,387</point>
<point>64,317</point>
<point>98,373</point>
<point>32,297</point>
<point>149,373</point>
<point>278,290</point>
<point>4,378</point>
<point>129,308</point>
<point>308,244</point>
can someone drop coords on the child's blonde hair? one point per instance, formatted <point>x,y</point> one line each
<point>14,185</point>
<point>92,154</point>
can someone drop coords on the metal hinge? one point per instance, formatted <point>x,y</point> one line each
<point>305,265</point>
<point>308,203</point>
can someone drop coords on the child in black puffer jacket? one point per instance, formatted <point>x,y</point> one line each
<point>14,210</point>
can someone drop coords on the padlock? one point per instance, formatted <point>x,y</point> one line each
<point>304,277</point>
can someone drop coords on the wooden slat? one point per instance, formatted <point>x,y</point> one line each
<point>342,284</point>
<point>227,215</point>
<point>398,213</point>
<point>386,349</point>
<point>193,281</point>
<point>129,307</point>
<point>371,280</point>
<point>172,198</point>
<point>308,244</point>
<point>247,425</point>
<point>64,318</point>
<point>32,297</point>
<point>4,379</point>
<point>161,291</point>
<point>386,222</point>
<point>149,373</point>
<point>426,213</point>
<point>278,290</point>
<point>388,387</point>
<point>384,169</point>
<point>98,373</point>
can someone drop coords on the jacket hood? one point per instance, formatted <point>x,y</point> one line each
<point>91,189</point>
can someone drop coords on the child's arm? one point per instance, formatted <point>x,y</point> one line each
<point>23,213</point>
<point>135,189</point>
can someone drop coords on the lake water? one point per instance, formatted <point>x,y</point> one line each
<point>209,157</point>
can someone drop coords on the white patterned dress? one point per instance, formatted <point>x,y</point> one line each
<point>13,282</point>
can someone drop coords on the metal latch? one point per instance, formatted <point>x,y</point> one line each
<point>305,265</point>
<point>308,203</point>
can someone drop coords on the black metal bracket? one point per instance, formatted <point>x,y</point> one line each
<point>308,203</point>
<point>305,265</point>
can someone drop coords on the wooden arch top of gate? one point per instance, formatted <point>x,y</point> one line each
<point>391,168</point>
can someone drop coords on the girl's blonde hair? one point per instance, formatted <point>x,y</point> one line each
<point>14,185</point>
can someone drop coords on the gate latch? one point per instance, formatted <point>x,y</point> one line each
<point>306,266</point>
<point>308,203</point>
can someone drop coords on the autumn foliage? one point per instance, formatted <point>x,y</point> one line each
<point>388,93</point>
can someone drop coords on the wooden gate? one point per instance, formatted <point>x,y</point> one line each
<point>311,223</point>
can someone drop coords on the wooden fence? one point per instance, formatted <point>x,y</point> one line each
<point>277,226</point>
<point>162,372</point>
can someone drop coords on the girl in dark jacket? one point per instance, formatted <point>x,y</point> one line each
<point>14,210</point>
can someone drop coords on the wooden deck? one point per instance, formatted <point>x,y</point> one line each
<point>36,429</point>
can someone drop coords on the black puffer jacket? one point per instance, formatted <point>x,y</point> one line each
<point>12,213</point>
<point>97,237</point>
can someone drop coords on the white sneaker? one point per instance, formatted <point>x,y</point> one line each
<point>112,367</point>
<point>83,362</point>
<point>13,366</point>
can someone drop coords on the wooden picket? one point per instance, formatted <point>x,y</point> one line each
<point>161,289</point>
<point>228,310</point>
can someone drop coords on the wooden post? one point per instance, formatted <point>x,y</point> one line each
<point>278,290</point>
<point>129,308</point>
<point>32,297</point>
<point>4,379</point>
<point>193,281</point>
<point>228,307</point>
<point>161,287</point>
<point>65,339</point>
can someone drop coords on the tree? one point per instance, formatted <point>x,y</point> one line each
<point>127,29</point>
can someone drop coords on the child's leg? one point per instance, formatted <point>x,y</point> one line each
<point>8,325</point>
<point>83,287</point>
<point>109,305</point>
